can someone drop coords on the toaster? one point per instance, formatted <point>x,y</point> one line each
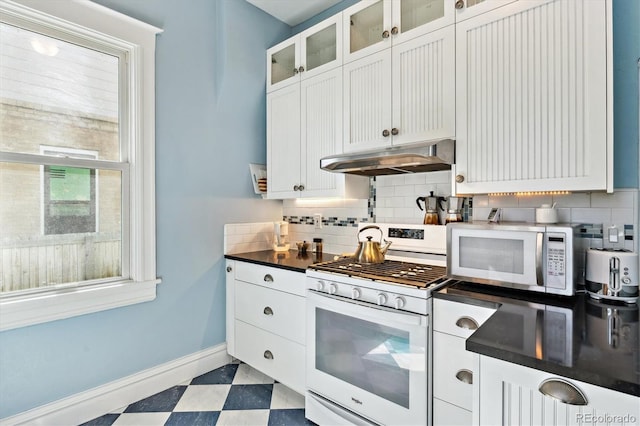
<point>612,274</point>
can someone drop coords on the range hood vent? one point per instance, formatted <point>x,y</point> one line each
<point>416,158</point>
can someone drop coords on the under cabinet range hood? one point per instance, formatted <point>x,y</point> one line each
<point>415,158</point>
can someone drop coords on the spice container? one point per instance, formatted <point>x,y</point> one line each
<point>317,246</point>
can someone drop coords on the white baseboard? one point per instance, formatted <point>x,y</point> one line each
<point>84,406</point>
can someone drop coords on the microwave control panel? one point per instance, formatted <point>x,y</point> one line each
<point>556,257</point>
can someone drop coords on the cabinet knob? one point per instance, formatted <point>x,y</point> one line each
<point>459,4</point>
<point>295,71</point>
<point>268,278</point>
<point>465,376</point>
<point>268,354</point>
<point>394,131</point>
<point>301,69</point>
<point>394,30</point>
<point>267,310</point>
<point>229,269</point>
<point>296,187</point>
<point>467,323</point>
<point>301,188</point>
<point>563,391</point>
<point>385,34</point>
<point>385,133</point>
<point>459,178</point>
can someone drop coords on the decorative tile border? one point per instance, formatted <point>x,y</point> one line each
<point>594,230</point>
<point>326,221</point>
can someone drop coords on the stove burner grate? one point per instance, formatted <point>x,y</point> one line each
<point>393,271</point>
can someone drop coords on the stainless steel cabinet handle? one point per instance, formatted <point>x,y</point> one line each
<point>394,30</point>
<point>394,131</point>
<point>459,4</point>
<point>467,323</point>
<point>229,269</point>
<point>385,34</point>
<point>296,187</point>
<point>459,178</point>
<point>267,310</point>
<point>465,376</point>
<point>385,133</point>
<point>295,71</point>
<point>563,391</point>
<point>539,272</point>
<point>301,69</point>
<point>268,278</point>
<point>301,188</point>
<point>268,354</point>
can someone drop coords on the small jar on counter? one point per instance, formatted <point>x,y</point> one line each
<point>317,246</point>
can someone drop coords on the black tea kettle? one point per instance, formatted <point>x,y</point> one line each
<point>431,206</point>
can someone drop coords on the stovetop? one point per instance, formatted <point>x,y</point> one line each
<point>392,271</point>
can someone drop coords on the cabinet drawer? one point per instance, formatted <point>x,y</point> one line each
<point>445,414</point>
<point>277,357</point>
<point>457,318</point>
<point>452,364</point>
<point>279,279</point>
<point>274,311</point>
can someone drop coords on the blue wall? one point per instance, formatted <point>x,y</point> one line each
<point>626,53</point>
<point>210,97</point>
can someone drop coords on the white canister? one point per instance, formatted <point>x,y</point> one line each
<point>546,214</point>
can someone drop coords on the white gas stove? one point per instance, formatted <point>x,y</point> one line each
<point>368,341</point>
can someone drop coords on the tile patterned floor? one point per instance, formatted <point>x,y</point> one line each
<point>234,394</point>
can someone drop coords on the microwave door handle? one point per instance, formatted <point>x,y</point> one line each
<point>539,273</point>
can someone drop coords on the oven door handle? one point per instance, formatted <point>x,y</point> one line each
<point>539,252</point>
<point>363,309</point>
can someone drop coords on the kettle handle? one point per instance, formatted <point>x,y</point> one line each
<point>442,203</point>
<point>423,199</point>
<point>371,227</point>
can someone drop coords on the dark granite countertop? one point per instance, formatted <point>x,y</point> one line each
<point>575,337</point>
<point>291,260</point>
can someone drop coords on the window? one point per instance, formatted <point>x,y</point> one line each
<point>77,207</point>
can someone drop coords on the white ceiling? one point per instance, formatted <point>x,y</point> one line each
<point>293,12</point>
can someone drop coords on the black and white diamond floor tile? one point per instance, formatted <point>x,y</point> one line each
<point>234,394</point>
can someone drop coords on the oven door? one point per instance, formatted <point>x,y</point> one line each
<point>370,360</point>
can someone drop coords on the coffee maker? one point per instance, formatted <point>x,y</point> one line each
<point>431,206</point>
<point>281,236</point>
<point>454,209</point>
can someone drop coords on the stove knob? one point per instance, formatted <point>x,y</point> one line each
<point>320,285</point>
<point>382,299</point>
<point>355,293</point>
<point>333,288</point>
<point>399,303</point>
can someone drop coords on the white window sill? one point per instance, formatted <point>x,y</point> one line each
<point>21,311</point>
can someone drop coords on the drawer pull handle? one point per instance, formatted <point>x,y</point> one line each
<point>268,278</point>
<point>268,354</point>
<point>563,391</point>
<point>465,376</point>
<point>268,311</point>
<point>467,323</point>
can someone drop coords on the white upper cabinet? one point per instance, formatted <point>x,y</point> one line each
<point>313,51</point>
<point>401,95</point>
<point>304,124</point>
<point>533,98</point>
<point>373,25</point>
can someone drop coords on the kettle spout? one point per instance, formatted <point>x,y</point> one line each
<point>384,249</point>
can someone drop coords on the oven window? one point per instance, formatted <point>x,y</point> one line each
<point>370,356</point>
<point>492,254</point>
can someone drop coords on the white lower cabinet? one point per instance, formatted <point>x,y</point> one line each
<point>454,368</point>
<point>265,320</point>
<point>512,394</point>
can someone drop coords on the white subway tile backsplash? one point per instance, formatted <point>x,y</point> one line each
<point>480,213</point>
<point>573,200</point>
<point>438,177</point>
<point>502,201</point>
<point>405,190</point>
<point>618,199</point>
<point>415,179</point>
<point>622,216</point>
<point>534,200</point>
<point>564,215</point>
<point>518,215</point>
<point>591,215</point>
<point>480,201</point>
<point>385,191</point>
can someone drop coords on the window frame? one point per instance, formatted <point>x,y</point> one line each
<point>86,23</point>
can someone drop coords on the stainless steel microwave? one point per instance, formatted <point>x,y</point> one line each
<point>522,256</point>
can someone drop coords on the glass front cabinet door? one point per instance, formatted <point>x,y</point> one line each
<point>373,25</point>
<point>305,55</point>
